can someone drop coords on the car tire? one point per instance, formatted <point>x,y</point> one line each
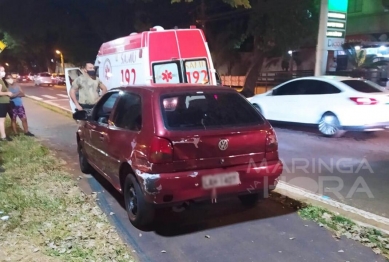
<point>139,211</point>
<point>250,199</point>
<point>329,126</point>
<point>85,167</point>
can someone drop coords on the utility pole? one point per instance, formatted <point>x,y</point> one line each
<point>321,48</point>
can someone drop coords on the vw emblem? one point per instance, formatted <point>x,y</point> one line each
<point>223,144</point>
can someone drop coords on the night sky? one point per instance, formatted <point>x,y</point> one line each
<point>79,27</point>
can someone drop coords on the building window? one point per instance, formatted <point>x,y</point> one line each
<point>355,6</point>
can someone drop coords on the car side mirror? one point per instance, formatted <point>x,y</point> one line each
<point>80,115</point>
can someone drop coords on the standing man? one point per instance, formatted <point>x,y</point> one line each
<point>88,86</point>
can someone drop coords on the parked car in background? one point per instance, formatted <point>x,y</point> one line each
<point>31,77</point>
<point>170,144</point>
<point>24,79</point>
<point>335,104</point>
<point>59,79</point>
<point>43,79</point>
<point>15,75</point>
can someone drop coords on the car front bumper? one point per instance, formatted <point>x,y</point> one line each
<point>175,188</point>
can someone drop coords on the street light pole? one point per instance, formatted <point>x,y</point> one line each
<point>321,49</point>
<point>62,63</point>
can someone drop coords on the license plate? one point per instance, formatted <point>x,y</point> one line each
<point>221,180</point>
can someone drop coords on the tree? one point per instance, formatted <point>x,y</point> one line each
<point>274,26</point>
<point>278,27</point>
<point>360,60</point>
<point>233,3</point>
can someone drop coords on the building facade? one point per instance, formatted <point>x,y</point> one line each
<point>368,21</point>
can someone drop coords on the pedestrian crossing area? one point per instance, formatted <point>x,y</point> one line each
<point>52,97</point>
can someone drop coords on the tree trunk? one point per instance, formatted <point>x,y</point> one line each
<point>253,73</point>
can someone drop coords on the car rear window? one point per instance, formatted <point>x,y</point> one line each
<point>364,86</point>
<point>45,74</point>
<point>208,110</point>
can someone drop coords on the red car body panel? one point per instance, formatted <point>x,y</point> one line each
<point>196,154</point>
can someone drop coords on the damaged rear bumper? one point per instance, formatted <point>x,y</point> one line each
<point>175,188</point>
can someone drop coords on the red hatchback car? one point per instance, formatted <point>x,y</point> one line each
<point>168,144</point>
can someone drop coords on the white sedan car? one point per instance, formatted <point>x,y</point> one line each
<point>336,104</point>
<point>44,79</point>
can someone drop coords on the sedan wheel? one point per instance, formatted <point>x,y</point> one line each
<point>139,211</point>
<point>329,125</point>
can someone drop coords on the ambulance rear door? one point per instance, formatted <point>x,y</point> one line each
<point>196,58</point>
<point>70,75</point>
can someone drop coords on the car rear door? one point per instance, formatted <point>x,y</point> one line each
<point>319,97</point>
<point>124,131</point>
<point>212,129</point>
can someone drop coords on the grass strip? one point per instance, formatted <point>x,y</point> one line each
<point>44,215</point>
<point>342,226</point>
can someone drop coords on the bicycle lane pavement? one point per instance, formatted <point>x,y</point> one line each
<point>225,231</point>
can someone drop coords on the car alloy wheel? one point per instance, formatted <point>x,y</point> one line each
<point>329,125</point>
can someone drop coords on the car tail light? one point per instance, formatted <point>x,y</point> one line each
<point>271,141</point>
<point>364,100</point>
<point>161,151</point>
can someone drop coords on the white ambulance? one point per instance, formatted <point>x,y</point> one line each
<point>156,56</point>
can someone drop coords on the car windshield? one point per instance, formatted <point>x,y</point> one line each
<point>364,86</point>
<point>45,74</point>
<point>208,110</point>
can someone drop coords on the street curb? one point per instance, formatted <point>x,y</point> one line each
<point>359,216</point>
<point>52,107</point>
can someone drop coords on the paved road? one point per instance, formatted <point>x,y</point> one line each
<point>355,162</point>
<point>268,232</point>
<point>355,167</point>
<point>56,95</point>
